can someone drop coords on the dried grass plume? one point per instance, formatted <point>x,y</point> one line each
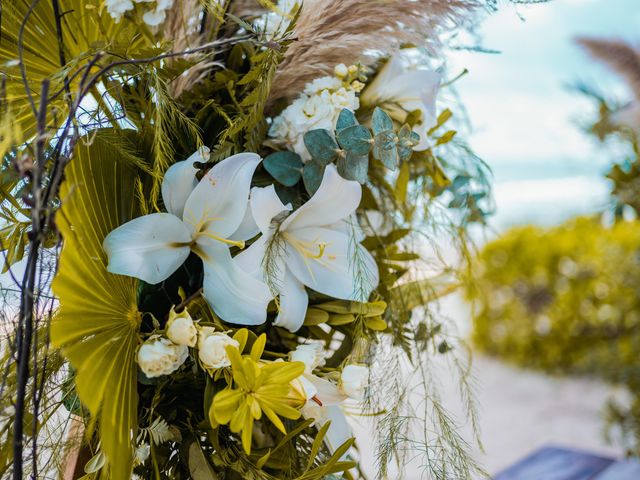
<point>329,32</point>
<point>619,56</point>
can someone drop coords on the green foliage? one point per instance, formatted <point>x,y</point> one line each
<point>284,167</point>
<point>564,300</point>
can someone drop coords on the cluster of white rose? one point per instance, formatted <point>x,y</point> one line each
<point>318,106</point>
<point>153,18</point>
<point>164,355</point>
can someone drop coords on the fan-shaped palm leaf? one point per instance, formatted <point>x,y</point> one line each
<point>83,31</point>
<point>97,323</point>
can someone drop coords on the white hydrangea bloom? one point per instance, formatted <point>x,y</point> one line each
<point>160,356</point>
<point>318,106</point>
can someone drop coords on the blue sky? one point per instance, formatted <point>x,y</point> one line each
<point>523,114</point>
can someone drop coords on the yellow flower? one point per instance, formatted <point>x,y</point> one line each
<point>258,388</point>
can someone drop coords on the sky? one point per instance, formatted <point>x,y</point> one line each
<point>525,116</point>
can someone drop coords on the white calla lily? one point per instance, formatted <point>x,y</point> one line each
<point>400,90</point>
<point>313,248</point>
<point>205,218</point>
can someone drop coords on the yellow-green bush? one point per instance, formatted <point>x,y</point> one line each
<point>563,299</point>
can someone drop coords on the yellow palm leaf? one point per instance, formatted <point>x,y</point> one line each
<point>97,323</point>
<point>84,31</point>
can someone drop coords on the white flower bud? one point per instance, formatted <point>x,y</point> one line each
<point>181,329</point>
<point>354,381</point>
<point>312,354</point>
<point>160,356</point>
<point>212,348</point>
<point>341,70</point>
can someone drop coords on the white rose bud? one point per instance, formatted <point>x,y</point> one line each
<point>181,330</point>
<point>341,70</point>
<point>312,354</point>
<point>354,381</point>
<point>212,348</point>
<point>160,356</point>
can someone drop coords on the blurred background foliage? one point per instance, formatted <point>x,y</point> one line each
<point>566,299</point>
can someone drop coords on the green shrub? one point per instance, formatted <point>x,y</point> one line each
<point>565,300</point>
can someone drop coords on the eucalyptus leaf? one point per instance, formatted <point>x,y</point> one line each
<point>321,145</point>
<point>381,121</point>
<point>285,167</point>
<point>355,139</point>
<point>354,167</point>
<point>312,176</point>
<point>389,158</point>
<point>346,119</point>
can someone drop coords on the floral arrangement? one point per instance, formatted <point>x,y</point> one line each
<point>217,208</point>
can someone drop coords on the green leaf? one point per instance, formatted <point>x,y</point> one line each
<point>446,137</point>
<point>285,167</point>
<point>321,145</point>
<point>346,119</point>
<point>355,139</point>
<point>96,326</point>
<point>389,158</point>
<point>199,467</point>
<point>312,176</point>
<point>381,121</point>
<point>354,167</point>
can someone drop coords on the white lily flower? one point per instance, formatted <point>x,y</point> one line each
<point>206,218</point>
<point>400,90</point>
<point>324,403</point>
<point>314,248</point>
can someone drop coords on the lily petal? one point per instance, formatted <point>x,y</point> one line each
<point>293,303</point>
<point>247,229</point>
<point>150,247</point>
<point>339,431</point>
<point>335,200</point>
<point>325,261</point>
<point>235,295</point>
<point>328,392</point>
<point>180,180</point>
<point>265,205</point>
<point>219,202</point>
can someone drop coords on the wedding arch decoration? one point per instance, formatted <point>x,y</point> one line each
<point>215,214</point>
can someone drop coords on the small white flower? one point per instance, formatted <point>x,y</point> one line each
<point>341,70</point>
<point>160,356</point>
<point>117,8</point>
<point>212,348</point>
<point>317,107</point>
<point>181,330</point>
<point>312,354</point>
<point>354,381</point>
